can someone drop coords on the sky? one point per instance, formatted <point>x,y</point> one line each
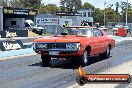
<point>96,3</point>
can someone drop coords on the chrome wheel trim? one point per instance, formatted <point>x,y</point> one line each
<point>85,57</point>
<point>108,51</point>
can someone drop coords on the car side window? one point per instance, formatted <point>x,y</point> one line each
<point>97,32</point>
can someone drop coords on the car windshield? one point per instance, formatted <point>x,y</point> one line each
<point>74,31</point>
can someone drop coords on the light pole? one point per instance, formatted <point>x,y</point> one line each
<point>126,12</point>
<point>104,12</point>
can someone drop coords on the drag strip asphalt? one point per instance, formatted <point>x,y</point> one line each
<point>27,72</point>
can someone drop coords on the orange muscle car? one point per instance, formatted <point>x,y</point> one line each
<point>76,42</point>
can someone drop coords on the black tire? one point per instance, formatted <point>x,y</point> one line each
<point>44,31</point>
<point>84,58</point>
<point>40,33</point>
<point>35,31</point>
<point>45,60</point>
<point>106,54</point>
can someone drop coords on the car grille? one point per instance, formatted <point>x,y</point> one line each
<point>56,46</point>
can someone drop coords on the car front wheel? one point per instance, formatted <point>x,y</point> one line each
<point>45,60</point>
<point>84,58</point>
<point>106,54</point>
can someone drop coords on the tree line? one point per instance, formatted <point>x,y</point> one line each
<point>115,12</point>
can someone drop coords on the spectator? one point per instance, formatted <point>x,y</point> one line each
<point>66,24</point>
<point>84,23</point>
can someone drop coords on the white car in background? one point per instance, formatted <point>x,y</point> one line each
<point>30,25</point>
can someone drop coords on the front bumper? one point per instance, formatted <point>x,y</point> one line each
<point>61,53</point>
<point>58,49</point>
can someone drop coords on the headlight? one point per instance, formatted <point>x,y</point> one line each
<point>72,46</point>
<point>41,45</point>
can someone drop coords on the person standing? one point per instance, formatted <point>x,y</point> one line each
<point>66,24</point>
<point>84,23</point>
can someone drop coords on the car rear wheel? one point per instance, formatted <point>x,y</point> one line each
<point>40,33</point>
<point>35,31</point>
<point>84,58</point>
<point>106,54</point>
<point>45,60</point>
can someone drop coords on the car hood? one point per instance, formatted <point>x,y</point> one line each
<point>60,39</point>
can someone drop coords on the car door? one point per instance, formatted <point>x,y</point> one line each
<point>94,42</point>
<point>98,41</point>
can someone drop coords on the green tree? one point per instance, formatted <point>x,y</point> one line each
<point>15,3</point>
<point>34,4</point>
<point>130,15</point>
<point>123,6</point>
<point>70,5</point>
<point>3,2</point>
<point>88,5</point>
<point>48,9</point>
<point>110,15</point>
<point>98,16</point>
